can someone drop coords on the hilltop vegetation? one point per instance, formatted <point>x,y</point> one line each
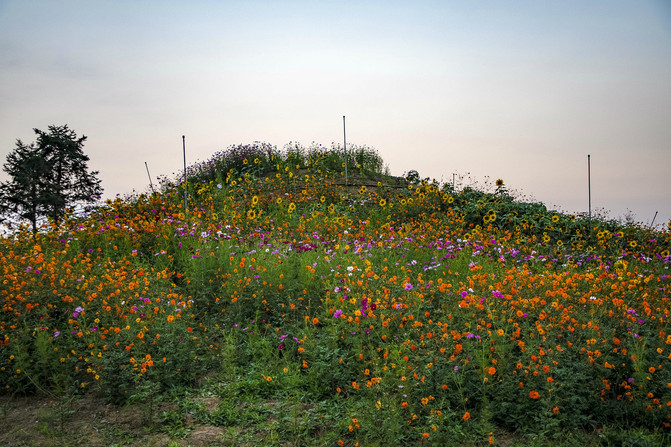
<point>374,310</point>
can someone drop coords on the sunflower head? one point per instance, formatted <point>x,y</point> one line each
<point>499,183</point>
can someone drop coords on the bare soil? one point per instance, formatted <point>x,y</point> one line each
<point>37,421</point>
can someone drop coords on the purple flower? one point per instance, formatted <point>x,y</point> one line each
<point>408,286</point>
<point>337,313</point>
<point>77,311</point>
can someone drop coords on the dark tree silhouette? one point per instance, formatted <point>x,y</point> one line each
<point>48,176</point>
<point>24,195</point>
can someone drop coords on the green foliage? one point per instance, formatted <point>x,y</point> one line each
<point>25,195</point>
<point>48,177</point>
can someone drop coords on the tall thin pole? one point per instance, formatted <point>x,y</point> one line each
<point>589,186</point>
<point>148,175</point>
<point>184,152</point>
<point>344,137</point>
<point>653,219</point>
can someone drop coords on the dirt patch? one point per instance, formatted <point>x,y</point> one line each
<point>205,435</point>
<point>211,404</point>
<point>42,421</point>
<point>82,421</point>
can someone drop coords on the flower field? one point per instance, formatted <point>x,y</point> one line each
<point>397,310</point>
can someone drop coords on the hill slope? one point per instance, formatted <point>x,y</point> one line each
<point>397,310</point>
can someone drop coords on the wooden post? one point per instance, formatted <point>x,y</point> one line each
<point>344,137</point>
<point>148,175</point>
<point>186,204</point>
<point>589,187</point>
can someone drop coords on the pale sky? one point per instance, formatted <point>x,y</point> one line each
<point>518,90</point>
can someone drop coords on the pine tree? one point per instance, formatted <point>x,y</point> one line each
<point>48,177</point>
<point>70,181</point>
<point>24,195</point>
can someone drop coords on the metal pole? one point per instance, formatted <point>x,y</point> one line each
<point>653,220</point>
<point>184,152</point>
<point>344,137</point>
<point>148,175</point>
<point>589,186</point>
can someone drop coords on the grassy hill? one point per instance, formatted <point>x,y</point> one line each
<point>289,305</point>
